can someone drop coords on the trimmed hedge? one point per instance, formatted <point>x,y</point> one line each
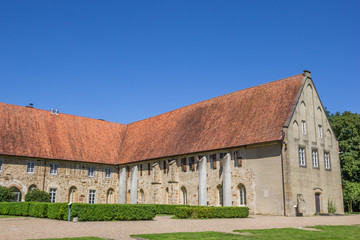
<point>165,208</point>
<point>108,212</point>
<point>211,212</point>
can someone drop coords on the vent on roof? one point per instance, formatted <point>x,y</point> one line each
<point>30,105</point>
<point>101,119</point>
<point>54,111</point>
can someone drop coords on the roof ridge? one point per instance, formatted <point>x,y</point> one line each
<point>226,94</point>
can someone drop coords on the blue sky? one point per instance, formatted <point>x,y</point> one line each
<point>124,61</point>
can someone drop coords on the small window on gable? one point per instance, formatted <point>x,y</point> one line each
<point>1,165</point>
<point>320,131</point>
<point>30,167</point>
<point>91,172</point>
<point>303,127</point>
<point>302,161</point>
<point>53,168</point>
<point>315,158</point>
<point>327,160</point>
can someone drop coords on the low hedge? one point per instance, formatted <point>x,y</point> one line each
<point>165,208</point>
<point>108,212</point>
<point>211,212</point>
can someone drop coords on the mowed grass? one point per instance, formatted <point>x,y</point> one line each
<point>324,232</point>
<point>76,238</point>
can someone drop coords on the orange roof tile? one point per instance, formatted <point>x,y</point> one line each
<point>249,116</point>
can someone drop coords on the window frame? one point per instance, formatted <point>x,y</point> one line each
<point>91,172</point>
<point>302,154</point>
<point>303,127</point>
<point>315,157</point>
<point>28,168</point>
<point>327,160</point>
<point>1,165</point>
<point>54,166</point>
<point>149,169</point>
<point>320,131</point>
<point>213,161</point>
<point>183,164</point>
<point>92,196</point>
<point>53,193</point>
<point>242,195</point>
<point>191,164</point>
<point>108,172</point>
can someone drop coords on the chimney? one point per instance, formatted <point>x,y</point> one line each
<point>30,105</point>
<point>307,73</point>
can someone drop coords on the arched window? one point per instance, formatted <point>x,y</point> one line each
<point>72,194</point>
<point>184,195</point>
<point>17,194</point>
<point>33,186</point>
<point>142,197</point>
<point>242,195</point>
<point>166,196</point>
<point>110,196</point>
<point>220,195</point>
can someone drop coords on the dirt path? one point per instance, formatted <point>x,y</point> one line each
<point>30,228</point>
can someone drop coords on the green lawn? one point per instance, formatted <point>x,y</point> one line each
<point>77,238</point>
<point>326,232</point>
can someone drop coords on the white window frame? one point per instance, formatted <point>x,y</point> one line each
<point>302,158</point>
<point>54,168</point>
<point>92,194</point>
<point>91,172</point>
<point>303,126</point>
<point>30,167</point>
<point>242,195</point>
<point>107,172</point>
<point>320,131</point>
<point>327,160</point>
<point>52,195</point>
<point>1,165</point>
<point>315,158</point>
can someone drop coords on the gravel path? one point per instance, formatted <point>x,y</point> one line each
<point>30,228</point>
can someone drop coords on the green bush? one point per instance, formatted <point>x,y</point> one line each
<point>108,212</point>
<point>6,195</point>
<point>211,212</point>
<point>165,208</point>
<point>14,208</point>
<point>38,209</point>
<point>331,206</point>
<point>37,195</point>
<point>57,211</point>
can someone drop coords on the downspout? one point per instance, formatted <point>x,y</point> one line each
<point>282,171</point>
<point>43,188</point>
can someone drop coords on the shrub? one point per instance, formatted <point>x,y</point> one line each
<point>6,195</point>
<point>211,212</point>
<point>38,209</point>
<point>165,208</point>
<point>107,212</point>
<point>331,206</point>
<point>37,195</point>
<point>57,211</point>
<point>14,208</point>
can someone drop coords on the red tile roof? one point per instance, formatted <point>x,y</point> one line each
<point>38,133</point>
<point>249,116</point>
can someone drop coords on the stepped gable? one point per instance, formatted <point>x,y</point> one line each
<point>253,115</point>
<point>32,132</point>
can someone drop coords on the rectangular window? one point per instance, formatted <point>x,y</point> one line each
<point>1,165</point>
<point>183,164</point>
<point>303,127</point>
<point>128,171</point>
<point>30,167</point>
<point>213,161</point>
<point>149,168</point>
<point>302,160</point>
<point>92,196</point>
<point>53,169</point>
<point>52,194</point>
<point>315,158</point>
<point>107,172</point>
<point>91,171</point>
<point>192,164</point>
<point>141,166</point>
<point>320,131</point>
<point>327,160</point>
<point>164,166</point>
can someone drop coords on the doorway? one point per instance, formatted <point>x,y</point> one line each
<point>317,202</point>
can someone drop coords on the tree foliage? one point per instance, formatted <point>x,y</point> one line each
<point>37,195</point>
<point>347,131</point>
<point>6,195</point>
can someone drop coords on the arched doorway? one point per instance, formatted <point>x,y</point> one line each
<point>183,195</point>
<point>17,194</point>
<point>242,195</point>
<point>142,196</point>
<point>72,194</point>
<point>110,196</point>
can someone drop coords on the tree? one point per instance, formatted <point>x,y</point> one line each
<point>6,195</point>
<point>347,131</point>
<point>37,195</point>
